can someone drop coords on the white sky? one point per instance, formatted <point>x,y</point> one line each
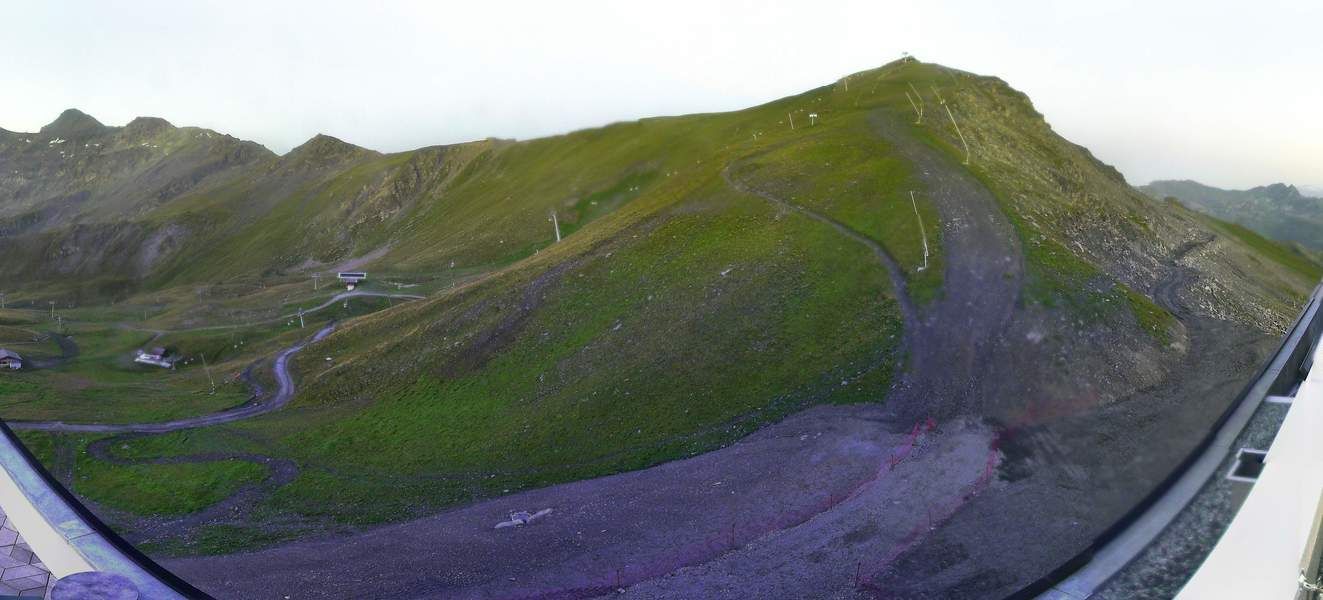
<point>1229,93</point>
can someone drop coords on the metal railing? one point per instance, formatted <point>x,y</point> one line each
<point>1280,374</point>
<point>67,536</point>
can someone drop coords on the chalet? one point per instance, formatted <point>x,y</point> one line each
<point>158,356</point>
<point>10,359</point>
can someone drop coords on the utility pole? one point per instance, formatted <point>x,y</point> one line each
<point>792,120</point>
<point>555,223</point>
<point>942,101</point>
<point>918,98</point>
<point>957,130</point>
<point>921,230</point>
<point>52,303</point>
<point>300,317</point>
<point>208,370</point>
<point>917,110</point>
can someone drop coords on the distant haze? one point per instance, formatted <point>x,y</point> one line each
<point>1228,93</point>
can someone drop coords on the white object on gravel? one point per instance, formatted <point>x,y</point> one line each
<point>523,517</point>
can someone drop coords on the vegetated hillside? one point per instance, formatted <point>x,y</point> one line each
<point>912,236</point>
<point>1278,211</point>
<point>74,197</point>
<point>78,171</point>
<point>715,275</point>
<point>678,313</point>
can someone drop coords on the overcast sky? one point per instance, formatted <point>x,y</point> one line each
<point>1229,93</point>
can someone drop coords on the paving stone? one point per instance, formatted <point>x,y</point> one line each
<point>34,582</point>
<point>21,554</point>
<point>9,562</point>
<point>20,572</point>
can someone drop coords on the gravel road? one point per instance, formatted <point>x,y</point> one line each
<point>284,392</point>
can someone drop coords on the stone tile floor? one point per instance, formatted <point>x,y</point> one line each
<point>21,571</point>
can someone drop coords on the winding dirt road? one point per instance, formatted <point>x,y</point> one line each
<point>294,315</point>
<point>284,392</point>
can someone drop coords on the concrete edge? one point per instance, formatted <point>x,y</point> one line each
<point>1082,575</point>
<point>66,535</point>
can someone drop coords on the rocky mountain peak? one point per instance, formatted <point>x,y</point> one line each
<point>73,123</point>
<point>1278,191</point>
<point>325,149</point>
<point>147,125</point>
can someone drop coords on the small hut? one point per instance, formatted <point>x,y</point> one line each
<point>351,279</point>
<point>159,356</point>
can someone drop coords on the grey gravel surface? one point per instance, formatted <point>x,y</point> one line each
<point>1162,569</point>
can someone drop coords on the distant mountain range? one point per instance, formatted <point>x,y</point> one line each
<point>1312,190</point>
<point>1278,211</point>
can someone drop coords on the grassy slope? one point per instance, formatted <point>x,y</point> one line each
<point>102,384</point>
<point>165,489</point>
<point>1283,255</point>
<point>679,314</point>
<point>846,172</point>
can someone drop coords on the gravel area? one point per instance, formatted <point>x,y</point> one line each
<point>1164,566</point>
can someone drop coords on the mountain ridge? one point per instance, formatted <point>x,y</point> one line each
<point>1278,211</point>
<point>73,122</point>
